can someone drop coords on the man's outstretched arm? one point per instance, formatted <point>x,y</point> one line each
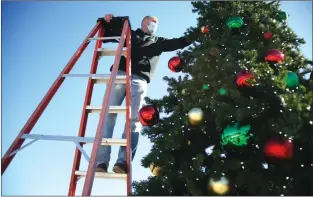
<point>173,44</point>
<point>163,45</point>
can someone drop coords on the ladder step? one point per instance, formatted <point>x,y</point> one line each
<point>112,109</point>
<point>87,140</point>
<point>106,38</point>
<point>108,175</point>
<point>119,79</point>
<point>100,78</point>
<point>109,52</point>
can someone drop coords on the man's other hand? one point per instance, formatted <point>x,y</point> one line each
<point>108,17</point>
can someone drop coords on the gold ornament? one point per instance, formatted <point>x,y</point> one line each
<point>220,186</point>
<point>155,169</point>
<point>204,29</point>
<point>195,116</point>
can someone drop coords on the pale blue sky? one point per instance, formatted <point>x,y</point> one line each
<point>38,39</point>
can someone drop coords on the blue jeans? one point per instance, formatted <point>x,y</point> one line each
<point>118,93</point>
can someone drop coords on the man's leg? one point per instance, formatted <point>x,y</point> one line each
<point>117,96</point>
<point>138,92</point>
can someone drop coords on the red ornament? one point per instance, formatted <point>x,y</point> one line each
<point>280,149</point>
<point>204,29</point>
<point>148,115</point>
<point>213,53</point>
<point>243,77</point>
<point>175,64</point>
<point>275,56</point>
<point>268,35</point>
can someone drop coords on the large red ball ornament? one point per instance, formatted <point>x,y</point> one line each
<point>175,64</point>
<point>244,78</point>
<point>279,149</point>
<point>268,35</point>
<point>275,56</point>
<point>148,115</point>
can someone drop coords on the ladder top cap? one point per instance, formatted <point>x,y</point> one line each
<point>119,18</point>
<point>115,21</point>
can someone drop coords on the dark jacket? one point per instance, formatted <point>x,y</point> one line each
<point>146,50</point>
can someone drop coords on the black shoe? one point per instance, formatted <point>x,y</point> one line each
<point>120,168</point>
<point>102,167</point>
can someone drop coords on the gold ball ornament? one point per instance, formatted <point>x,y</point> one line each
<point>220,186</point>
<point>155,169</point>
<point>195,116</point>
<point>184,91</point>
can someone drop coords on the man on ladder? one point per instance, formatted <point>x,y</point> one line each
<point>146,48</point>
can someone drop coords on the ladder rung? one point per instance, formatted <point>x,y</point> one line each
<point>119,79</point>
<point>100,78</point>
<point>112,109</point>
<point>105,141</point>
<point>109,175</point>
<point>109,52</point>
<point>106,38</point>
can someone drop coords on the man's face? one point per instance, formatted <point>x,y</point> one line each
<point>149,25</point>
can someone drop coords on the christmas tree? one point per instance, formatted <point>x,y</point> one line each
<point>239,119</point>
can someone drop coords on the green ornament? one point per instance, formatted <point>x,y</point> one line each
<point>222,91</point>
<point>234,22</point>
<point>291,80</point>
<point>186,120</point>
<point>205,87</point>
<point>282,16</point>
<point>232,135</point>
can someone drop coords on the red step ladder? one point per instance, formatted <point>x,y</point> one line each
<point>123,24</point>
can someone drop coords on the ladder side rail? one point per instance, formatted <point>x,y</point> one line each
<point>17,143</point>
<point>128,111</point>
<point>103,115</point>
<point>84,117</point>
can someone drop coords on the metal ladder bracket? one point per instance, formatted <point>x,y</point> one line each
<point>24,146</point>
<point>82,151</point>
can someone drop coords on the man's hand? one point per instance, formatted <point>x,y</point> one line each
<point>108,17</point>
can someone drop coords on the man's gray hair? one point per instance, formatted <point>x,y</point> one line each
<point>155,18</point>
